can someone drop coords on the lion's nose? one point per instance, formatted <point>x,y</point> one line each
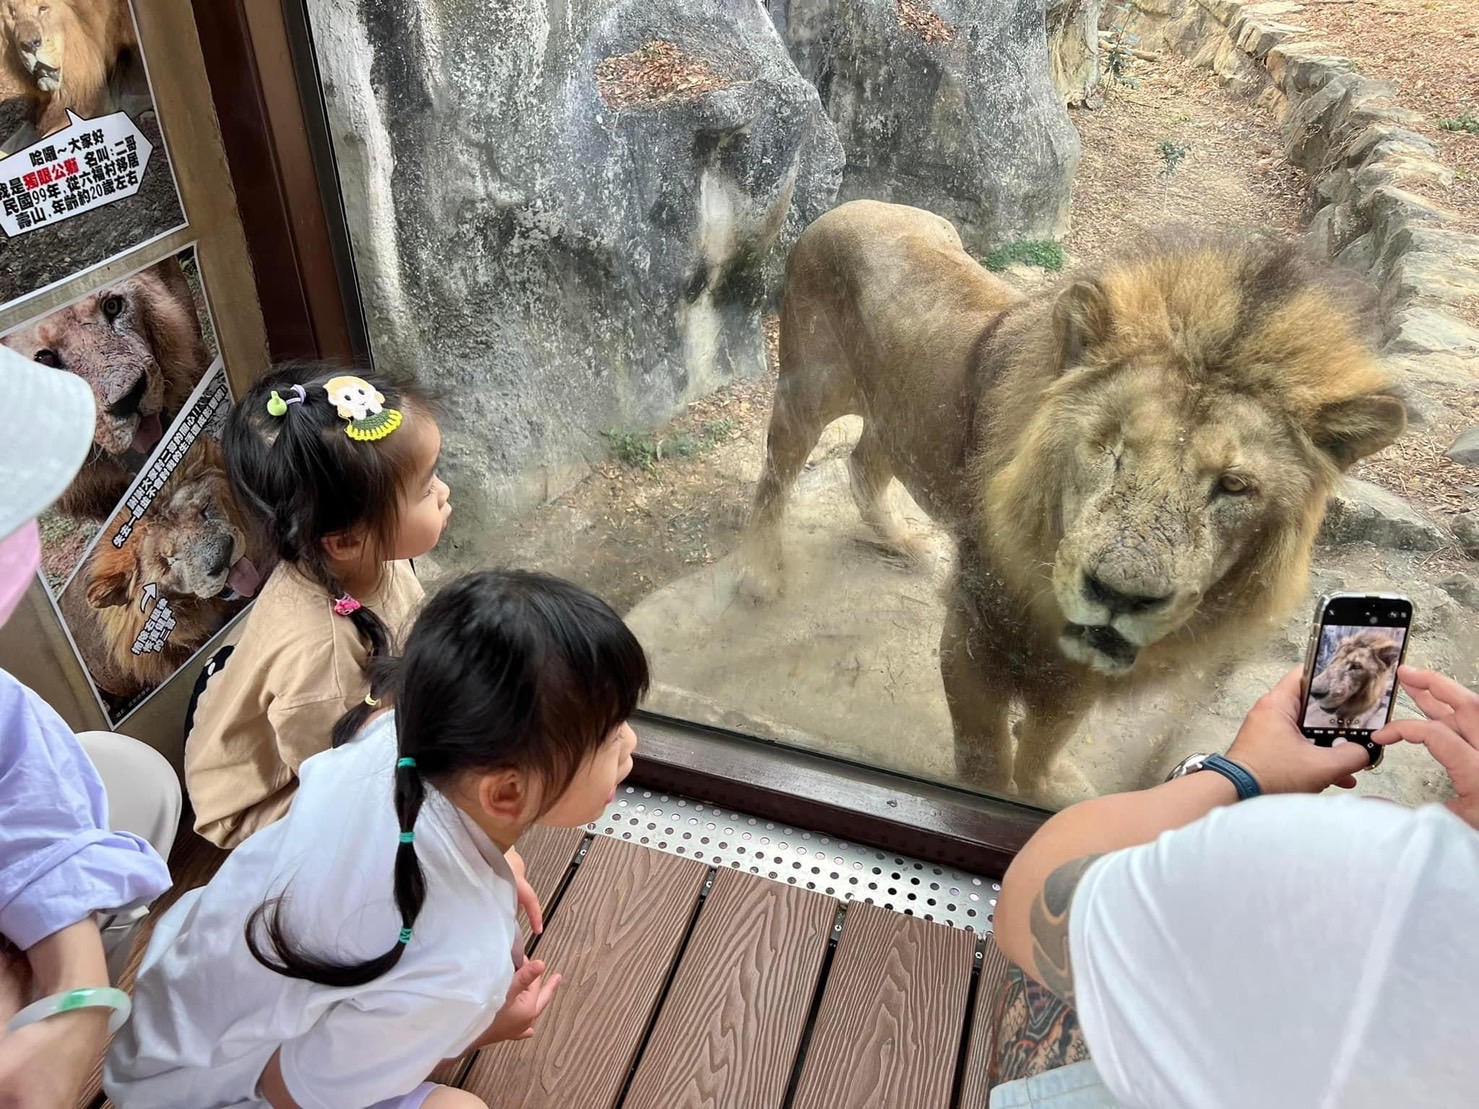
<point>31,45</point>
<point>1121,602</point>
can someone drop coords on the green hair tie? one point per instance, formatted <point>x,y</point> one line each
<point>408,837</point>
<point>276,406</point>
<point>405,763</point>
<point>405,936</point>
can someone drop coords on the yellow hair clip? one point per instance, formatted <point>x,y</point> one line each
<point>371,701</point>
<point>359,402</point>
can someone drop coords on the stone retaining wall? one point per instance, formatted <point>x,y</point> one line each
<point>1368,167</point>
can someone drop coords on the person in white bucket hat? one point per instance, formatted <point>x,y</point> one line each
<point>73,885</point>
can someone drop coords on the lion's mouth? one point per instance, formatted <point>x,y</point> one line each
<point>147,434</point>
<point>1106,642</point>
<point>242,581</point>
<point>48,77</point>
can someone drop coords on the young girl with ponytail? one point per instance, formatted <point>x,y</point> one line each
<point>341,953</point>
<point>340,472</point>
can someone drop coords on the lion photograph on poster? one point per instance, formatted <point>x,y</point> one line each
<point>192,548</point>
<point>139,343</point>
<point>82,57</point>
<point>68,55</point>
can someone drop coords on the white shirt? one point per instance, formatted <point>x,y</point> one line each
<point>1289,951</point>
<point>207,1016</point>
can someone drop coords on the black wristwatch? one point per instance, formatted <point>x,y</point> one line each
<point>1245,783</point>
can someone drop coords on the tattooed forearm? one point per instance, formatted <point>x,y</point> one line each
<point>1035,1031</point>
<point>1050,927</point>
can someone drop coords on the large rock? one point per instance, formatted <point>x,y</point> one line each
<point>558,266</point>
<point>944,104</point>
<point>1073,49</point>
<point>1465,449</point>
<point>1365,513</point>
<point>1466,530</point>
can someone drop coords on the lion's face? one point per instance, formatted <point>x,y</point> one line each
<point>104,339</point>
<point>1353,682</point>
<point>1163,491</point>
<point>1174,471</point>
<point>34,30</point>
<point>189,543</point>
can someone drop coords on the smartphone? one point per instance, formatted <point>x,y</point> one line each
<point>1356,643</point>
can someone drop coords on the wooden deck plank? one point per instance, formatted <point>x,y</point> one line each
<point>620,926</point>
<point>975,1089</point>
<point>888,1031</point>
<point>733,1020</point>
<point>548,853</point>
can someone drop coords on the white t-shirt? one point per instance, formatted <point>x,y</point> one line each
<point>207,1016</point>
<point>1305,952</point>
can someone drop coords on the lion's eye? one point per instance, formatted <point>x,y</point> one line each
<point>1234,485</point>
<point>112,306</point>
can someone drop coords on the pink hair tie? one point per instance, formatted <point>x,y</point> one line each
<point>346,606</point>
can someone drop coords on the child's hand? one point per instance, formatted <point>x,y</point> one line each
<point>528,899</point>
<point>529,996</point>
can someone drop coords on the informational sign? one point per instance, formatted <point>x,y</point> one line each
<point>171,567</point>
<point>84,173</point>
<point>87,165</point>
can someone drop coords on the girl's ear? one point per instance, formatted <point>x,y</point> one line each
<point>345,546</point>
<point>504,795</point>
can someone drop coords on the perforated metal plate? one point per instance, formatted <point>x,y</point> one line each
<point>719,837</point>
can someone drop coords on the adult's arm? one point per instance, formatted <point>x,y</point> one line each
<point>1032,913</point>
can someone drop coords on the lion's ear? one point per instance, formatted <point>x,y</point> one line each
<point>1081,321</point>
<point>1352,429</point>
<point>108,589</point>
<point>1388,653</point>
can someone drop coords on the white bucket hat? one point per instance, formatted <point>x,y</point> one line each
<point>45,439</point>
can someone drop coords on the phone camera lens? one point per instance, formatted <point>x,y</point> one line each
<point>1373,619</point>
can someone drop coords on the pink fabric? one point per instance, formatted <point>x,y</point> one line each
<point>20,558</point>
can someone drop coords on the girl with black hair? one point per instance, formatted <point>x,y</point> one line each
<point>340,472</point>
<point>341,953</point>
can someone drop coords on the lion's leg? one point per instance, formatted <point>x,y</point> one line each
<point>1053,711</point>
<point>871,477</point>
<point>796,423</point>
<point>978,705</point>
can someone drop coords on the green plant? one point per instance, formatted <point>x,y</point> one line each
<point>1119,55</point>
<point>644,451</point>
<point>1467,122</point>
<point>635,449</point>
<point>1172,155</point>
<point>1042,253</point>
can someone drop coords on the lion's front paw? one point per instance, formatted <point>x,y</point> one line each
<point>1063,785</point>
<point>760,586</point>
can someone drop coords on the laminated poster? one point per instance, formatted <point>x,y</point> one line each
<point>146,555</point>
<point>84,173</point>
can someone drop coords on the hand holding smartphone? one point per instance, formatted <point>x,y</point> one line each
<point>1350,673</point>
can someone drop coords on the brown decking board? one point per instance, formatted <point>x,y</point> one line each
<point>975,1088</point>
<point>548,854</point>
<point>733,1019</point>
<point>888,1031</point>
<point>615,938</point>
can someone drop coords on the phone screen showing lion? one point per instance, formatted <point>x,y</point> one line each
<point>1351,678</point>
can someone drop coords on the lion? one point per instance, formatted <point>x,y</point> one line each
<point>1133,466</point>
<point>1350,692</point>
<point>137,342</point>
<point>191,549</point>
<point>66,55</point>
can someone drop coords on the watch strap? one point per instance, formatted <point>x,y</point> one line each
<point>1243,782</point>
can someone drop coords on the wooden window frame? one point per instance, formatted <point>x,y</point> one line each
<point>265,85</point>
